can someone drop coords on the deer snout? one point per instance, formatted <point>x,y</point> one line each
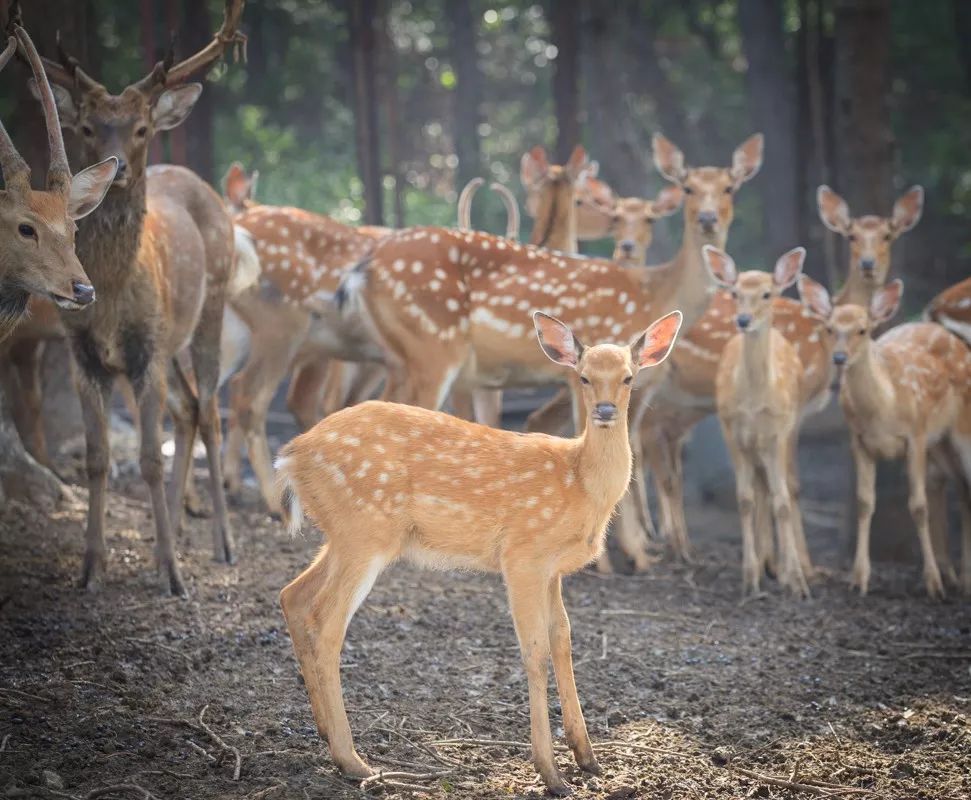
<point>605,412</point>
<point>707,219</point>
<point>83,293</point>
<point>867,265</point>
<point>743,321</point>
<point>627,246</point>
<point>839,358</point>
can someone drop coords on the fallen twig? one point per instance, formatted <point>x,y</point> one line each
<point>160,646</point>
<point>120,788</point>
<point>829,790</point>
<point>203,728</point>
<point>28,695</point>
<point>3,744</point>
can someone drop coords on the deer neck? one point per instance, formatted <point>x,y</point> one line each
<point>867,384</point>
<point>685,283</point>
<point>108,238</point>
<point>13,306</point>
<point>754,372</point>
<point>604,459</point>
<point>557,230</point>
<point>857,290</point>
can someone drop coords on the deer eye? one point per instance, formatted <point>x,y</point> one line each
<point>584,381</point>
<point>649,220</point>
<point>729,189</point>
<point>829,329</point>
<point>887,237</point>
<point>86,130</point>
<point>141,131</point>
<point>862,331</point>
<point>766,295</point>
<point>628,379</point>
<point>688,190</point>
<point>734,294</point>
<point>616,217</point>
<point>27,231</point>
<point>851,237</point>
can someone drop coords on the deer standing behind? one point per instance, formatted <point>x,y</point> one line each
<point>385,482</point>
<point>908,393</point>
<point>758,397</point>
<point>160,253</point>
<point>37,228</point>
<point>689,396</point>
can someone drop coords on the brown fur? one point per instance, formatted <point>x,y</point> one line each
<point>385,482</point>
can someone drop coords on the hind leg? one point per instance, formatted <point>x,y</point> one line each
<point>940,464</point>
<point>184,410</point>
<point>307,386</point>
<point>26,357</point>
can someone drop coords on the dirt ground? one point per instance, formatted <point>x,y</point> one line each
<point>687,693</point>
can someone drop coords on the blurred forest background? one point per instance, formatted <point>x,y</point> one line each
<point>380,110</point>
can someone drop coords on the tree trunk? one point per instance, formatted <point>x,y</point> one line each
<point>962,29</point>
<point>197,138</point>
<point>565,34</point>
<point>363,19</point>
<point>769,80</point>
<point>467,95</point>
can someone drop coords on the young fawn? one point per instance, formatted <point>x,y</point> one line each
<point>906,393</point>
<point>386,481</point>
<point>757,393</point>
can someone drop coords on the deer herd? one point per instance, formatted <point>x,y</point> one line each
<point>162,286</point>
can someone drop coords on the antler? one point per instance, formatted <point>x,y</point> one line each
<point>58,172</point>
<point>164,74</point>
<point>16,173</point>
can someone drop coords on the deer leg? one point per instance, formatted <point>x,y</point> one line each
<point>682,544</point>
<point>258,447</point>
<point>745,492</point>
<point>235,437</point>
<point>487,407</point>
<point>562,651</point>
<point>866,477</point>
<point>347,582</point>
<point>27,358</point>
<point>366,379</point>
<point>939,466</point>
<point>150,406</point>
<point>94,407</point>
<point>184,411</point>
<point>639,489</point>
<point>553,417</point>
<point>306,387</point>
<point>917,477</point>
<point>964,496</point>
<point>462,404</point>
<point>795,492</point>
<point>531,618</point>
<point>783,511</point>
<point>764,543</point>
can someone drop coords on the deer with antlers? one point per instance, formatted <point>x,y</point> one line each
<point>689,396</point>
<point>385,482</point>
<point>907,393</point>
<point>758,396</point>
<point>160,253</point>
<point>37,253</point>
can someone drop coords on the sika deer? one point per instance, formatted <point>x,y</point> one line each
<point>37,227</point>
<point>908,393</point>
<point>160,252</point>
<point>385,482</point>
<point>758,398</point>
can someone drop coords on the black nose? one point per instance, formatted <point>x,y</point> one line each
<point>122,167</point>
<point>83,293</point>
<point>605,412</point>
<point>707,218</point>
<point>627,246</point>
<point>839,358</point>
<point>743,320</point>
<point>867,264</point>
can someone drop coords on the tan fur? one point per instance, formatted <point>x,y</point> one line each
<point>906,394</point>
<point>952,309</point>
<point>385,482</point>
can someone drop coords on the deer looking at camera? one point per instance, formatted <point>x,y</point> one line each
<point>160,253</point>
<point>689,396</point>
<point>38,227</point>
<point>385,482</point>
<point>907,393</point>
<point>758,396</point>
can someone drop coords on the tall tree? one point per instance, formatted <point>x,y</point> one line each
<point>565,34</point>
<point>195,33</point>
<point>770,83</point>
<point>363,19</point>
<point>467,97</point>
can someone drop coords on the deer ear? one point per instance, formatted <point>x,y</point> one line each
<point>747,158</point>
<point>533,166</point>
<point>236,185</point>
<point>788,268</point>
<point>654,345</point>
<point>67,110</point>
<point>668,159</point>
<point>814,297</point>
<point>578,161</point>
<point>886,301</point>
<point>557,340</point>
<point>833,210</point>
<point>907,210</point>
<point>668,200</point>
<point>174,105</point>
<point>89,186</point>
<point>720,265</point>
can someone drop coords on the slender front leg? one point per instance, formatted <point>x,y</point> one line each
<point>795,491</point>
<point>150,412</point>
<point>94,407</point>
<point>745,493</point>
<point>184,411</point>
<point>531,617</point>
<point>866,478</point>
<point>235,437</point>
<point>917,477</point>
<point>790,574</point>
<point>561,648</point>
